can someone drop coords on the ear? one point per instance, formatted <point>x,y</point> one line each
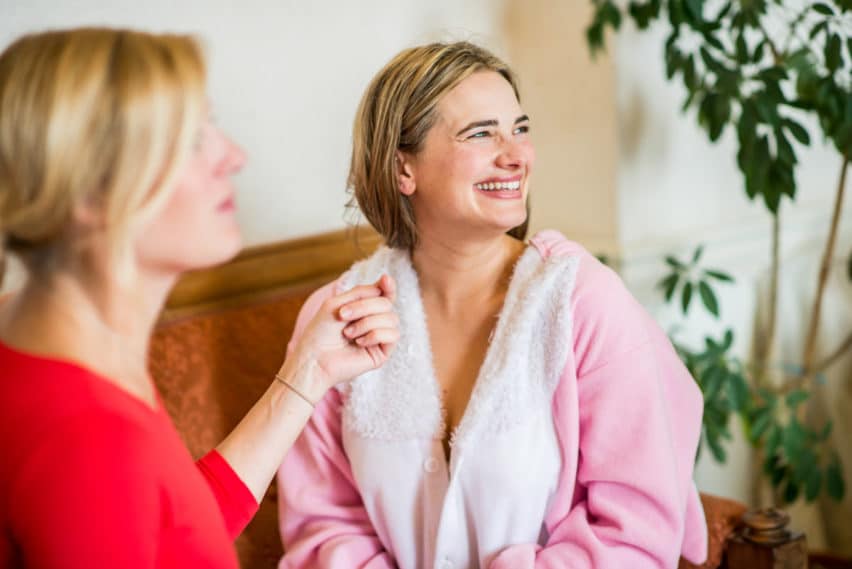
<point>405,174</point>
<point>89,213</point>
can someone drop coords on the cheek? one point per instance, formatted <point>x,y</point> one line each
<point>466,166</point>
<point>529,154</point>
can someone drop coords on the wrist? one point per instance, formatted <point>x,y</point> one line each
<point>303,377</point>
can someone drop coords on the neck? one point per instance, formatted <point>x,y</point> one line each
<point>455,274</point>
<point>96,322</point>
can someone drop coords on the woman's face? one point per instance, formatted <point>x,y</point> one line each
<point>197,227</point>
<point>471,176</point>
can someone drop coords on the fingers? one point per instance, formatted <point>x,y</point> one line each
<point>357,293</point>
<point>360,327</point>
<point>348,302</point>
<point>378,336</point>
<point>366,307</point>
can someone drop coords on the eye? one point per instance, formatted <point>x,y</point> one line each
<point>480,134</point>
<point>523,129</point>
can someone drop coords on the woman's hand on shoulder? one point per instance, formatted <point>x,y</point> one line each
<point>352,332</point>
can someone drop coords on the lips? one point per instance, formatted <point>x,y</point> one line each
<point>502,188</point>
<point>227,205</point>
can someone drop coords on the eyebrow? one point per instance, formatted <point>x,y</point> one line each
<point>490,122</point>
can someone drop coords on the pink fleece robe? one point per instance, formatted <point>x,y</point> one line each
<point>627,418</point>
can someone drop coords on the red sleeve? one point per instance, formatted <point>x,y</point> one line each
<point>87,497</point>
<point>233,496</point>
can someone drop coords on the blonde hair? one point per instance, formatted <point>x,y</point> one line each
<point>395,113</point>
<point>93,116</point>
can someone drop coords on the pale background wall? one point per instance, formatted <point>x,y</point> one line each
<point>618,168</point>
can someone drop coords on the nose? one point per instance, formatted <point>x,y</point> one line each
<point>234,158</point>
<point>512,155</point>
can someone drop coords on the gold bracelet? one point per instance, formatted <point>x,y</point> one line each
<point>294,390</point>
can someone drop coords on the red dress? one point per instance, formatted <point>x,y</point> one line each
<point>92,477</point>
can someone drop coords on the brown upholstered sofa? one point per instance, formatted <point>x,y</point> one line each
<point>223,336</point>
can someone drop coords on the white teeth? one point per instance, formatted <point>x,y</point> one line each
<point>494,186</point>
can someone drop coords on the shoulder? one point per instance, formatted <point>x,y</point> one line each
<point>94,442</point>
<point>607,319</point>
<point>594,280</point>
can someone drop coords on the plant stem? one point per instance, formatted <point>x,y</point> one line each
<point>764,345</point>
<point>776,55</point>
<point>825,269</point>
<point>835,355</point>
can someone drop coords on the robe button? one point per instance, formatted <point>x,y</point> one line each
<point>430,465</point>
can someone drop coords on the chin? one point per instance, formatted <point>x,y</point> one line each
<point>214,252</point>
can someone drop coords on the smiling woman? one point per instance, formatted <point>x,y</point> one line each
<point>534,415</point>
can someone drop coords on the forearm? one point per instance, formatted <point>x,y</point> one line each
<point>257,445</point>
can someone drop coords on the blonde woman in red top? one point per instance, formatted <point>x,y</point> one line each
<point>114,181</point>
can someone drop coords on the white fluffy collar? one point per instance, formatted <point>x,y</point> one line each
<point>522,366</point>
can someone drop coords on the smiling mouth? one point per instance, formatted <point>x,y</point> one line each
<point>512,186</point>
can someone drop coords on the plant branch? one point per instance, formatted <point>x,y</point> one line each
<point>776,55</point>
<point>764,345</point>
<point>794,25</point>
<point>825,268</point>
<point>834,356</point>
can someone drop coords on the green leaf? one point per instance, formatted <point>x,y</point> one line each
<point>834,480</point>
<point>674,263</point>
<point>798,131</point>
<point>775,73</point>
<point>708,298</point>
<point>790,492</point>
<point>773,441</point>
<point>686,296</point>
<point>742,49</point>
<point>832,52</point>
<point>771,197</point>
<point>716,449</point>
<point>711,382</point>
<point>595,37</point>
<point>820,27</point>
<point>708,59</point>
<point>823,9</point>
<point>786,154</point>
<point>668,285</point>
<point>694,7</point>
<point>642,14</point>
<point>800,59</point>
<point>757,56</point>
<point>696,255</point>
<point>728,339</point>
<point>690,80</point>
<point>609,14</point>
<point>719,275</point>
<point>761,422</point>
<point>813,484</point>
<point>738,393</point>
<point>777,476</point>
<point>794,398</point>
<point>792,440</point>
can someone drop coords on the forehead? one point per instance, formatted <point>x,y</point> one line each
<point>484,95</point>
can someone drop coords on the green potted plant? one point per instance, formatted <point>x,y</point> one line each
<point>759,67</point>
